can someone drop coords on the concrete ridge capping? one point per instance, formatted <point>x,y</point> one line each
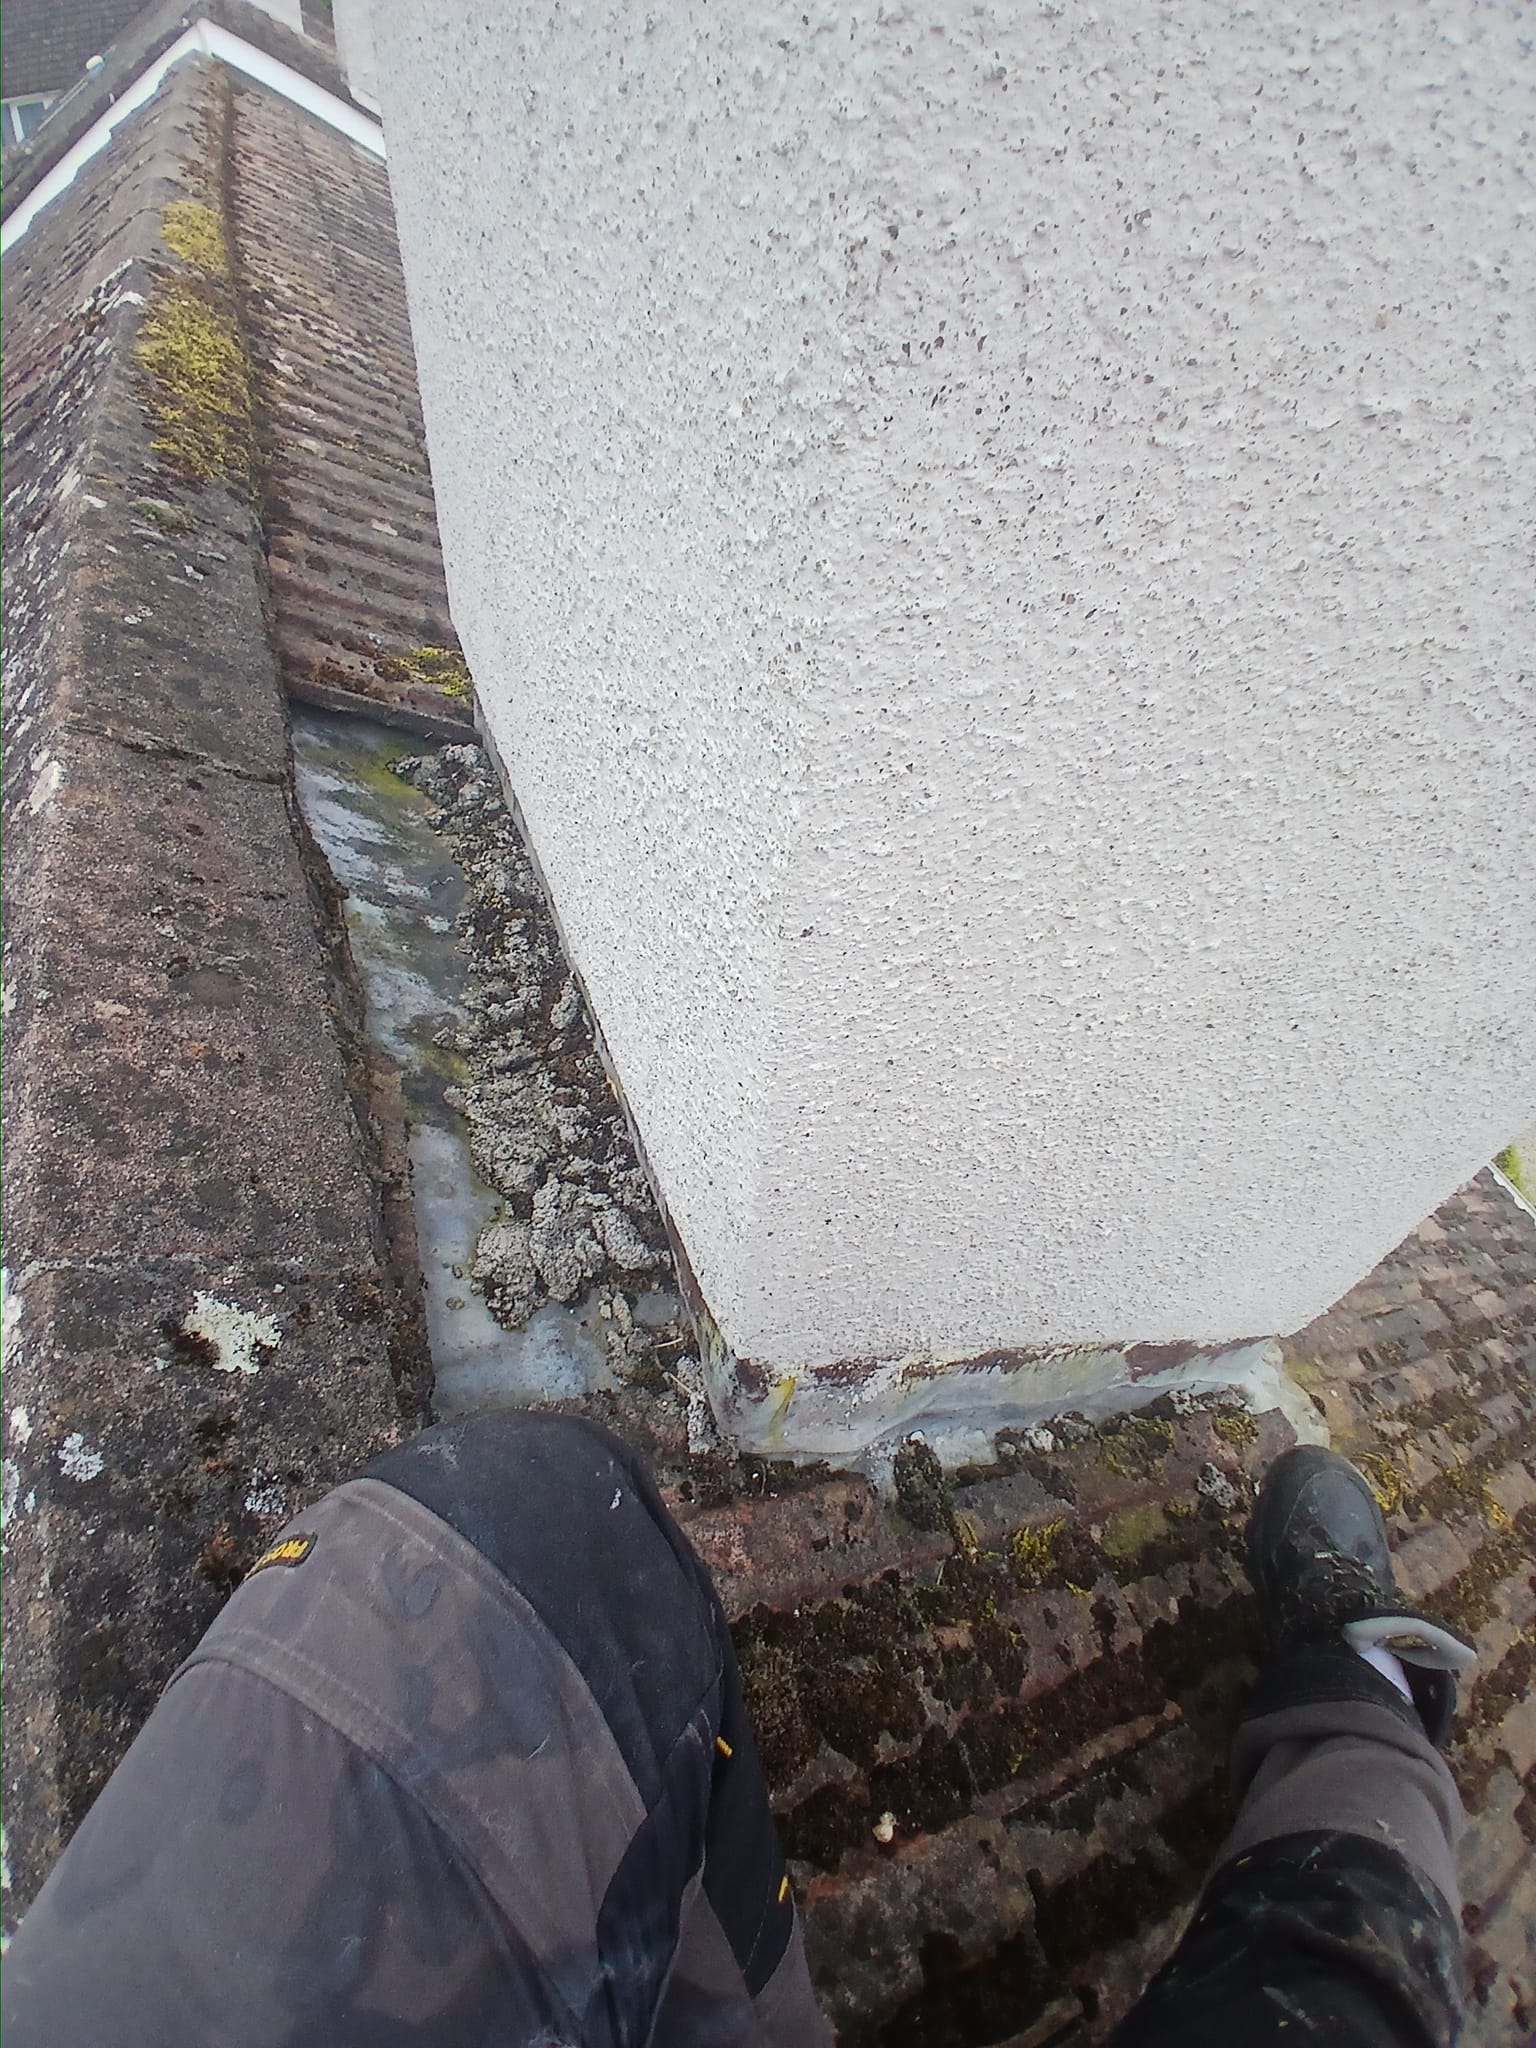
<point>202,39</point>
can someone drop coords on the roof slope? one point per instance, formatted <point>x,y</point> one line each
<point>356,566</point>
<point>1032,1669</point>
<point>203,1328</point>
<point>44,44</point>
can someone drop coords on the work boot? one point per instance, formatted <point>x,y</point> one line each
<point>1321,1565</point>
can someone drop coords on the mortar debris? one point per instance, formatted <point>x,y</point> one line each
<point>546,1130</point>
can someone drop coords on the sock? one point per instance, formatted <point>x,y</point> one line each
<point>1388,1665</point>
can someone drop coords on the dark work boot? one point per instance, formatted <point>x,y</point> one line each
<point>1321,1565</point>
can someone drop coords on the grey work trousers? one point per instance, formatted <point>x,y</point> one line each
<point>465,1760</point>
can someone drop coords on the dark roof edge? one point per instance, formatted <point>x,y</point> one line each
<point>147,37</point>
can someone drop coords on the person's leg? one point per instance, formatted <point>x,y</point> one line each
<point>736,1956</point>
<point>462,1759</point>
<point>1333,1911</point>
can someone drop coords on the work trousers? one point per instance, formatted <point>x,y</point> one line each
<point>465,1759</point>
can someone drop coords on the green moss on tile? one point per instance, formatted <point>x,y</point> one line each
<point>169,518</point>
<point>1135,1446</point>
<point>431,668</point>
<point>923,1493</point>
<point>196,234</point>
<point>199,373</point>
<point>1032,1552</point>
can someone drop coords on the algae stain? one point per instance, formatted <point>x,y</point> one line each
<point>1127,1535</point>
<point>376,773</point>
<point>445,1065</point>
<point>1518,1169</point>
<point>778,1410</point>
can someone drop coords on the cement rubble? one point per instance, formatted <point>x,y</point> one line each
<point>545,1129</point>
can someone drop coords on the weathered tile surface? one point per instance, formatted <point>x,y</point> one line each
<point>204,1328</point>
<point>357,569</point>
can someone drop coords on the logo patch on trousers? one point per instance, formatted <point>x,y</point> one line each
<point>291,1551</point>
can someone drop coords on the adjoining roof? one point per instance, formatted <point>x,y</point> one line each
<point>242,32</point>
<point>44,44</point>
<point>1031,1668</point>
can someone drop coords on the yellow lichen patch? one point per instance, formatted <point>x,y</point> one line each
<point>202,399</point>
<point>1033,1552</point>
<point>1236,1427</point>
<point>1495,1513</point>
<point>967,1534</point>
<point>1127,1535</point>
<point>431,668</point>
<point>1384,1480</point>
<point>195,233</point>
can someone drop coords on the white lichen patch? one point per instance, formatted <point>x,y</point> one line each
<point>45,785</point>
<point>10,1489</point>
<point>21,1425</point>
<point>1214,1485</point>
<point>234,1334</point>
<point>79,1459</point>
<point>688,1375</point>
<point>10,1311</point>
<point>266,1500</point>
<point>7,998</point>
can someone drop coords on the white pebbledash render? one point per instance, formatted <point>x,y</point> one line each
<point>992,545</point>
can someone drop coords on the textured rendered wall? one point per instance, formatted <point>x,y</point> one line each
<point>992,545</point>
